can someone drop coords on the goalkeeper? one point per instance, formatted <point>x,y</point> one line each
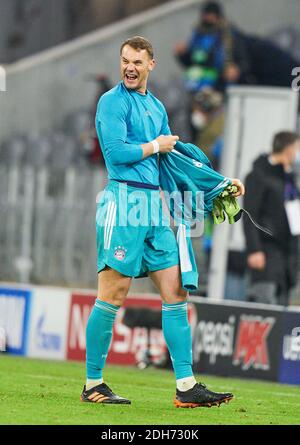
<point>132,127</point>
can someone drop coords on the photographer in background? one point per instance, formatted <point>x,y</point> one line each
<point>215,55</point>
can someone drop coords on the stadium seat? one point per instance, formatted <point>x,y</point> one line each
<point>13,150</point>
<point>77,123</point>
<point>63,152</point>
<point>38,151</point>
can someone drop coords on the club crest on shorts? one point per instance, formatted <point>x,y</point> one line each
<point>120,253</point>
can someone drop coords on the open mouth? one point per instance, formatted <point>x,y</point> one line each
<point>131,77</point>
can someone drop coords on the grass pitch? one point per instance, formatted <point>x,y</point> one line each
<point>38,392</point>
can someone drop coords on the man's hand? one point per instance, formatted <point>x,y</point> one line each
<point>232,73</point>
<point>180,48</point>
<point>240,186</point>
<point>257,260</point>
<point>166,143</point>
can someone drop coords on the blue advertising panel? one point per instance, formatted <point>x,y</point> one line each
<point>14,318</point>
<point>289,369</point>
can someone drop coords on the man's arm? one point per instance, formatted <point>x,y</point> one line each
<point>183,51</point>
<point>253,202</point>
<point>111,122</point>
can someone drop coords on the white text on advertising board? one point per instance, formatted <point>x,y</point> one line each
<point>12,318</point>
<point>214,339</point>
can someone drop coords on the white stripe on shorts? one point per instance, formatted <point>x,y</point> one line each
<point>107,218</point>
<point>113,219</point>
<point>109,222</point>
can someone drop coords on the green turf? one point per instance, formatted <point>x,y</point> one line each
<point>46,392</point>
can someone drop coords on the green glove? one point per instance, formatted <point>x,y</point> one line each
<point>218,211</point>
<point>231,208</point>
<point>226,203</point>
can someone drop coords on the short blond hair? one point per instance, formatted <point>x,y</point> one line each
<point>138,43</point>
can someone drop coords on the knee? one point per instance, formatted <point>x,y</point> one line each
<point>115,297</point>
<point>177,297</point>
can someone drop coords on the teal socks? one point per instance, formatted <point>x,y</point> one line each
<point>99,332</point>
<point>177,333</point>
<point>176,329</point>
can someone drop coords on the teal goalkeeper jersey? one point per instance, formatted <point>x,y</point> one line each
<point>125,120</point>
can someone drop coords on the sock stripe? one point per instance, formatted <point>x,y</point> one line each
<point>177,307</point>
<point>106,306</point>
<point>174,305</point>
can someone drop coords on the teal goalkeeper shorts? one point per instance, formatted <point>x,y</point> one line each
<point>133,234</point>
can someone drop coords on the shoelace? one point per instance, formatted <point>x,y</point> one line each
<point>200,386</point>
<point>107,387</point>
<point>199,390</point>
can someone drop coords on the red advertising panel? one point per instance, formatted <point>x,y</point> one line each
<point>80,308</point>
<point>127,344</point>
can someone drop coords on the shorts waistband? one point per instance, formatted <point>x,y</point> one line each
<point>136,184</point>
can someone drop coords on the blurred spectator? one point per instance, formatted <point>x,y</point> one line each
<point>216,54</point>
<point>90,139</point>
<point>207,120</point>
<point>236,279</point>
<point>176,99</point>
<point>270,186</point>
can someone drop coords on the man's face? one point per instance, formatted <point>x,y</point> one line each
<point>210,20</point>
<point>291,151</point>
<point>135,67</point>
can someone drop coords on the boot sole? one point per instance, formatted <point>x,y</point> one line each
<point>179,404</point>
